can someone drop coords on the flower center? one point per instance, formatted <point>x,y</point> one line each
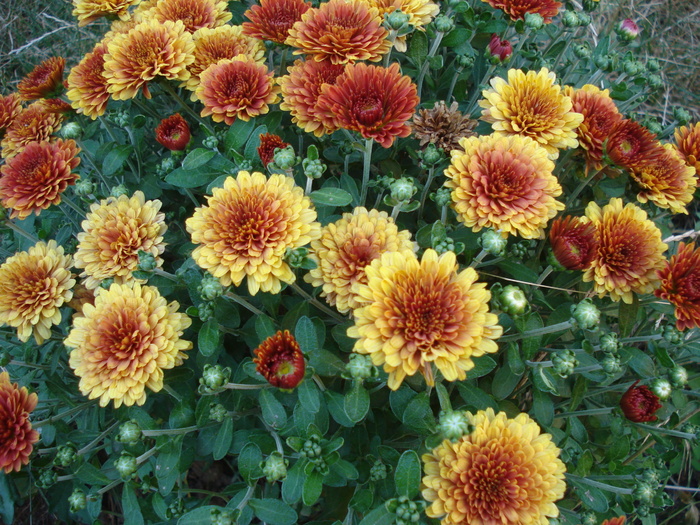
<point>369,109</point>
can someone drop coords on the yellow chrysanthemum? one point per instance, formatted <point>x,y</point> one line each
<point>114,231</point>
<point>420,12</point>
<point>688,144</point>
<point>504,472</point>
<point>504,183</point>
<point>415,313</point>
<point>630,251</point>
<point>247,228</point>
<point>533,105</point>
<point>347,246</point>
<point>194,14</point>
<point>88,10</point>
<point>123,342</point>
<point>33,287</point>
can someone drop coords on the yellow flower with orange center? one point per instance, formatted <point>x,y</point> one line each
<point>114,231</point>
<point>122,343</point>
<point>33,124</point>
<point>247,227</point>
<point>420,12</point>
<point>10,108</point>
<point>87,87</point>
<point>43,80</point>
<point>151,49</point>
<point>504,183</point>
<point>533,105</point>
<point>414,314</point>
<point>688,144</point>
<point>629,253</point>
<point>504,472</point>
<point>17,437</point>
<point>33,287</point>
<point>194,14</point>
<point>87,11</point>
<point>346,247</point>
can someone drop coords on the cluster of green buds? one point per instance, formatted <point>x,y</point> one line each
<point>222,516</point>
<point>299,258</point>
<point>464,61</point>
<point>444,23</point>
<point>631,66</point>
<point>284,159</point>
<point>672,335</point>
<point>47,478</point>
<point>275,467</point>
<point>519,250</point>
<point>120,117</point>
<point>378,471</point>
<point>71,130</point>
<point>217,412</point>
<point>147,261</point>
<point>534,21</point>
<point>320,453</point>
<point>680,114</point>
<point>510,299</point>
<point>84,187</point>
<point>588,518</point>
<point>360,368</point>
<point>126,466</point>
<point>129,433</point>
<point>644,491</point>
<point>205,310</point>
<point>610,345</point>
<point>493,243</point>
<point>406,511</point>
<point>175,509</point>
<point>661,387</point>
<point>166,165</point>
<point>397,21</point>
<point>441,242</point>
<point>313,451</point>
<point>118,190</point>
<point>453,424</point>
<point>77,501</point>
<point>582,51</point>
<point>574,19</point>
<point>564,362</point>
<point>653,125</point>
<point>65,455</point>
<point>605,62</point>
<point>402,190</point>
<point>213,379</point>
<point>678,376</point>
<point>210,288</point>
<point>312,165</point>
<point>431,155</point>
<point>211,142</point>
<point>586,315</point>
<point>442,197</point>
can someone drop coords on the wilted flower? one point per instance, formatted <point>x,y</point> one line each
<point>630,145</point>
<point>173,132</point>
<point>505,183</point>
<point>442,126</point>
<point>639,404</point>
<point>36,177</point>
<point>247,228</point>
<point>504,472</point>
<point>272,19</point>
<point>17,437</point>
<point>43,80</point>
<point>688,144</point>
<point>194,14</point>
<point>342,31</point>
<point>573,242</point>
<point>630,251</point>
<point>33,287</point>
<point>238,88</point>
<point>680,285</point>
<point>280,360</point>
<point>268,144</point>
<point>33,124</point>
<point>10,108</point>
<point>414,314</point>
<point>375,101</point>
<point>87,86</point>
<point>420,13</point>
<point>517,9</point>
<point>500,50</point>
<point>114,231</point>
<point>88,10</point>
<point>627,29</point>
<point>346,247</point>
<point>532,104</point>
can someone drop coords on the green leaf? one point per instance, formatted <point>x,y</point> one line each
<point>518,271</point>
<point>209,338</point>
<point>542,407</point>
<point>182,178</point>
<point>357,402</point>
<point>530,345</point>
<point>309,397</point>
<point>408,474</point>
<point>380,515</point>
<point>264,327</point>
<point>251,147</point>
<point>476,397</point>
<point>515,363</point>
<point>456,37</point>
<point>197,158</point>
<point>313,485</point>
<point>336,407</point>
<point>249,461</point>
<point>418,47</point>
<point>640,362</point>
<point>294,482</point>
<point>591,497</point>
<point>662,355</point>
<point>362,500</point>
<point>326,363</point>
<point>504,382</point>
<point>115,159</point>
<point>7,504</point>
<point>238,134</point>
<point>419,415</point>
<point>482,366</point>
<point>330,197</point>
<point>166,463</point>
<point>305,334</point>
<point>130,506</point>
<point>273,511</point>
<point>91,475</point>
<point>197,516</point>
<point>222,441</point>
<point>272,410</point>
<point>543,380</point>
<point>628,316</point>
<point>556,48</point>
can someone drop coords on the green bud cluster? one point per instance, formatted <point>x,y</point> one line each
<point>519,250</point>
<point>378,471</point>
<point>77,501</point>
<point>493,243</point>
<point>275,467</point>
<point>175,509</point>
<point>65,455</point>
<point>84,187</point>
<point>211,142</point>
<point>360,367</point>
<point>147,261</point>
<point>465,61</point>
<point>453,424</point>
<point>534,21</point>
<point>564,362</point>
<point>222,517</point>
<point>214,377</point>
<point>611,364</point>
<point>431,155</point>
<point>210,288</point>
<point>313,169</point>
<point>403,189</point>
<point>444,23</point>
<point>285,158</point>
<point>129,433</point>
<point>396,20</point>
<point>405,510</point>
<point>681,115</point>
<point>126,465</point>
<point>442,197</point>
<point>167,164</point>
<point>672,335</point>
<point>512,301</point>
<point>119,190</point>
<point>586,315</point>
<point>120,117</point>
<point>47,478</point>
<point>217,412</point>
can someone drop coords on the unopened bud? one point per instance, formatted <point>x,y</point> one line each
<point>453,424</point>
<point>360,367</point>
<point>513,301</point>
<point>210,142</point>
<point>655,81</point>
<point>431,155</point>
<point>493,243</point>
<point>77,501</point>
<point>465,61</point>
<point>582,50</point>
<point>403,189</point>
<point>444,24</point>
<point>285,158</point>
<point>586,315</point>
<point>569,19</point>
<point>499,51</point>
<point>681,115</point>
<point>609,343</point>
<point>129,433</point>
<point>210,288</point>
<point>217,412</point>
<point>65,455</point>
<point>611,364</point>
<point>662,388</point>
<point>126,465</point>
<point>84,187</point>
<point>378,471</point>
<point>396,20</point>
<point>71,130</point>
<point>442,197</point>
<point>627,30</point>
<point>119,190</point>
<point>214,377</point>
<point>275,467</point>
<point>313,169</point>
<point>147,261</point>
<point>534,21</point>
<point>564,362</point>
<point>678,376</point>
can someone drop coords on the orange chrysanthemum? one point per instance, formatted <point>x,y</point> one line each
<point>687,143</point>
<point>17,437</point>
<point>342,31</point>
<point>114,231</point>
<point>247,228</point>
<point>346,247</point>
<point>173,132</point>
<point>123,342</point>
<point>89,10</point>
<point>600,115</point>
<point>504,472</point>
<point>533,105</point>
<point>505,183</point>
<point>301,89</point>
<point>377,102</point>
<point>151,49</point>
<point>33,124</point>
<point>87,86</point>
<point>238,88</point>
<point>573,242</point>
<point>10,108</point>
<point>56,105</point>
<point>517,9</point>
<point>43,80</point>
<point>33,287</point>
<point>212,45</point>
<point>272,19</point>
<point>34,179</point>
<point>630,145</point>
<point>268,144</point>
<point>414,314</point>
<point>615,521</point>
<point>194,14</point>
<point>279,360</point>
<point>630,251</point>
<point>680,285</point>
<point>420,12</point>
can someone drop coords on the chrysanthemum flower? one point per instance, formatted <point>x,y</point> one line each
<point>346,247</point>
<point>630,251</point>
<point>600,115</point>
<point>375,101</point>
<point>342,31</point>
<point>414,314</point>
<point>173,132</point>
<point>301,89</point>
<point>194,14</point>
<point>687,143</point>
<point>420,12</point>
<point>533,105</point>
<point>680,285</point>
<point>279,360</point>
<point>123,342</point>
<point>114,231</point>
<point>669,183</point>
<point>43,80</point>
<point>10,108</point>
<point>639,404</point>
<point>33,124</point>
<point>504,472</point>
<point>17,437</point>
<point>88,10</point>
<point>33,287</point>
<point>517,9</point>
<point>212,45</point>
<point>268,144</point>
<point>615,521</point>
<point>630,145</point>
<point>56,105</point>
<point>272,19</point>
<point>34,179</point>
<point>87,86</point>
<point>504,183</point>
<point>247,228</point>
<point>151,49</point>
<point>573,242</point>
<point>442,126</point>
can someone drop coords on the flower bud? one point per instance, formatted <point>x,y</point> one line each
<point>632,67</point>
<point>119,190</point>
<point>453,424</point>
<point>313,169</point>
<point>493,243</point>
<point>444,24</point>
<point>627,30</point>
<point>285,158</point>
<point>279,359</point>
<point>584,18</point>
<point>244,165</point>
<point>71,130</point>
<point>65,455</point>
<point>311,447</point>
<point>499,51</point>
<point>611,364</point>
<point>378,471</point>
<point>396,20</point>
<point>402,189</point>
<point>167,164</point>
<point>210,288</point>
<point>681,115</point>
<point>662,388</point>
<point>222,517</point>
<point>296,258</point>
<point>84,187</point>
<point>431,155</point>
<point>653,65</point>
<point>126,465</point>
<point>205,311</point>
<point>47,478</point>
<point>217,412</point>
<point>275,467</point>
<point>211,142</point>
<point>444,245</point>
<point>513,301</point>
<point>586,315</point>
<point>120,117</point>
<point>643,510</point>
<point>672,335</point>
<point>689,428</point>
<point>582,50</point>
<point>609,343</point>
<point>650,475</point>
<point>519,250</point>
<point>442,197</point>
<point>564,362</point>
<point>639,403</point>
<point>678,376</point>
<point>653,125</point>
<point>570,19</point>
<point>643,492</point>
<point>173,133</point>
<point>129,433</point>
<point>214,377</point>
<point>465,61</point>
<point>603,62</point>
<point>534,21</point>
<point>147,261</point>
<point>77,501</point>
<point>175,509</point>
<point>589,518</point>
<point>655,81</point>
<point>360,367</point>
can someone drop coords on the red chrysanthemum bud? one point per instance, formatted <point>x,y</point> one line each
<point>280,360</point>
<point>173,132</point>
<point>268,144</point>
<point>499,50</point>
<point>639,404</point>
<point>573,242</point>
<point>627,29</point>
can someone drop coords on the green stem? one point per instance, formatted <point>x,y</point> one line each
<point>477,91</point>
<point>559,327</point>
<point>243,386</point>
<point>319,382</point>
<point>579,189</point>
<point>65,414</point>
<point>480,257</point>
<point>545,274</point>
<point>426,189</point>
<point>588,412</point>
<point>87,448</point>
<point>167,275</point>
<point>426,64</point>
<point>318,304</point>
<point>640,339</point>
<point>194,200</point>
<point>598,484</point>
<point>245,304</point>
<point>169,431</point>
<point>21,231</point>
<point>248,495</point>
<point>365,169</point>
<point>73,206</point>
<point>453,83</point>
<point>109,487</point>
<point>668,432</point>
<point>172,392</point>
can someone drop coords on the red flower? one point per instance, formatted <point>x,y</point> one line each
<point>272,19</point>
<point>573,242</point>
<point>517,9</point>
<point>268,144</point>
<point>10,108</point>
<point>16,434</point>
<point>620,520</point>
<point>500,50</point>
<point>173,132</point>
<point>280,360</point>
<point>630,145</point>
<point>639,404</point>
<point>680,285</point>
<point>43,80</point>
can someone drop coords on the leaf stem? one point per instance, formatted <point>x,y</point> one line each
<point>367,160</point>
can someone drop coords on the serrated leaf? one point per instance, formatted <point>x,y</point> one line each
<point>272,410</point>
<point>273,511</point>
<point>330,197</point>
<point>408,475</point>
<point>209,338</point>
<point>222,442</point>
<point>197,158</point>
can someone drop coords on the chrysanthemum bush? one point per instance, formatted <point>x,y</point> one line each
<point>353,262</point>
